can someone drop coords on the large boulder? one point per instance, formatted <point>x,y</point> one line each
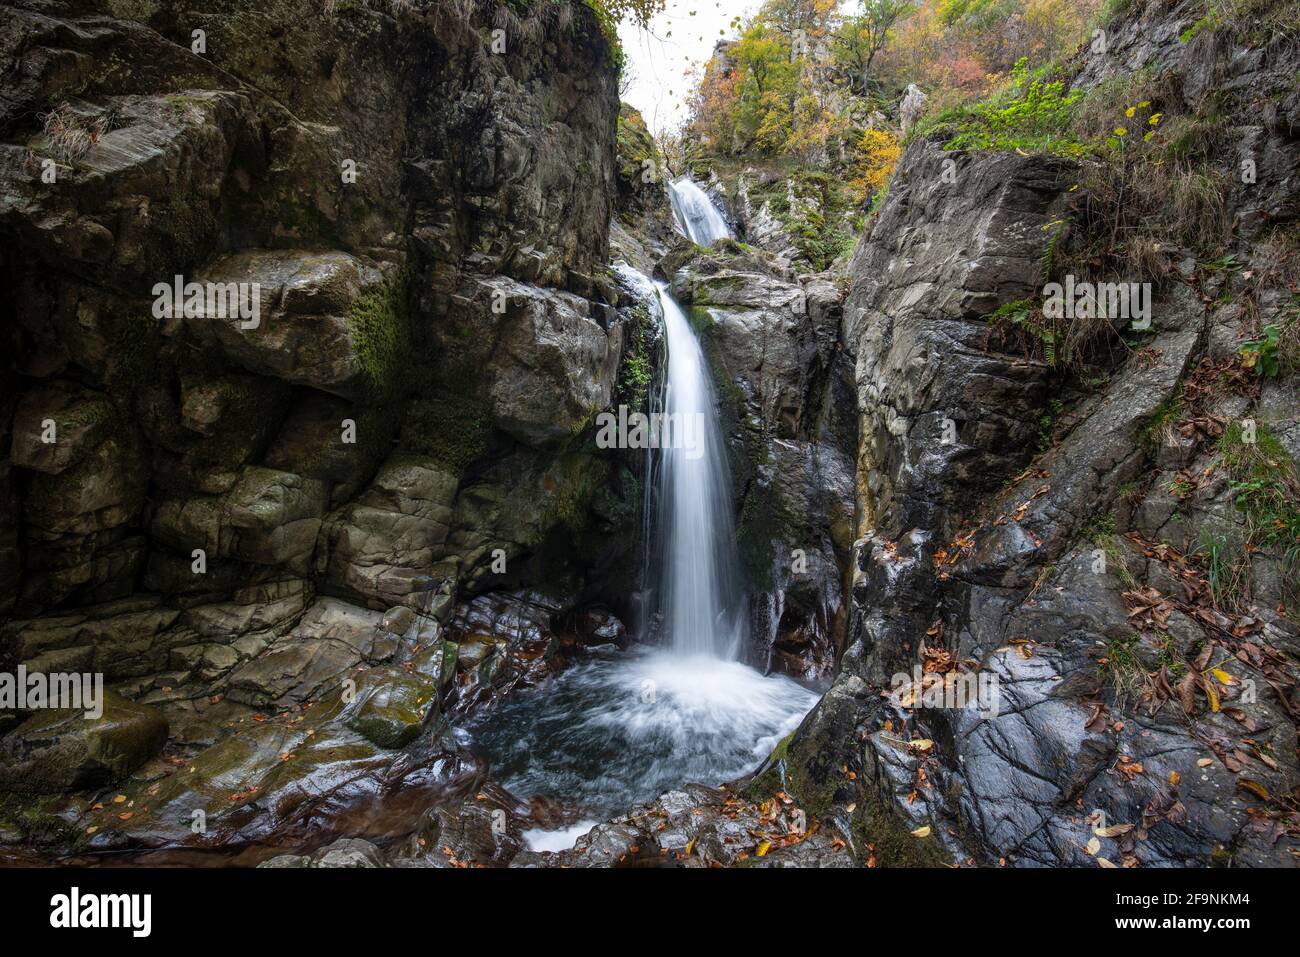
<point>324,319</point>
<point>63,749</point>
<point>384,545</point>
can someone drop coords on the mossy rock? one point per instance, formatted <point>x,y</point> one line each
<point>380,330</point>
<point>392,706</point>
<point>62,750</point>
<point>820,765</point>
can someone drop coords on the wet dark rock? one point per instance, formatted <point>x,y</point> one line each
<point>63,749</point>
<point>345,852</point>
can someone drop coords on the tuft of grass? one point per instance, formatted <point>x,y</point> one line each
<point>71,133</point>
<point>1227,570</point>
<point>1162,420</point>
<point>1266,488</point>
<point>1122,669</point>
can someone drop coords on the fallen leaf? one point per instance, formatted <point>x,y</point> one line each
<point>922,831</point>
<point>1255,788</point>
<point>1115,830</point>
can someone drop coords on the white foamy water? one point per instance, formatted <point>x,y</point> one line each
<point>696,214</point>
<point>626,727</point>
<point>561,840</point>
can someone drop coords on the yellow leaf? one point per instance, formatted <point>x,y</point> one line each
<point>1102,862</point>
<point>1115,830</point>
<point>1174,778</point>
<point>1093,847</point>
<point>921,744</point>
<point>923,831</point>
<point>1255,788</point>
<point>1224,678</point>
<point>762,849</point>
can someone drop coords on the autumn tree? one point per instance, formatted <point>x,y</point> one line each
<point>860,38</point>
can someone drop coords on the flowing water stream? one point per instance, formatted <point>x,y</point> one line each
<point>624,727</point>
<point>695,212</point>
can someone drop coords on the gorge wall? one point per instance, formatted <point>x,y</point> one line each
<point>1062,537</point>
<point>238,518</point>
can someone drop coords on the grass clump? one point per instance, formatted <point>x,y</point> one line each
<point>1266,489</point>
<point>71,133</point>
<point>1122,669</point>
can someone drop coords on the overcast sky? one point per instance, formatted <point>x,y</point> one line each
<point>661,57</point>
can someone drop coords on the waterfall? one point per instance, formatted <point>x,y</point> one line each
<point>696,213</point>
<point>699,571</point>
<point>617,728</point>
<point>693,577</point>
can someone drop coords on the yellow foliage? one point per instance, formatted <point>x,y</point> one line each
<point>877,155</point>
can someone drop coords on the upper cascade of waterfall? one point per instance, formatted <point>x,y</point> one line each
<point>696,213</point>
<point>693,578</point>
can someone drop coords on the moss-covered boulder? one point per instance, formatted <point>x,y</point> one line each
<point>391,706</point>
<point>325,319</point>
<point>62,749</point>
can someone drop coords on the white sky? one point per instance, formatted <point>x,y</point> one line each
<point>660,62</point>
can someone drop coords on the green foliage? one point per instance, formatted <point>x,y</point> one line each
<point>638,371</point>
<point>1191,32</point>
<point>1024,319</point>
<point>1264,353</point>
<point>1030,113</point>
<point>1047,424</point>
<point>1265,487</point>
<point>816,221</point>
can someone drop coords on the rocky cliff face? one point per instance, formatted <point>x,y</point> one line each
<point>235,513</point>
<point>1059,538</point>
